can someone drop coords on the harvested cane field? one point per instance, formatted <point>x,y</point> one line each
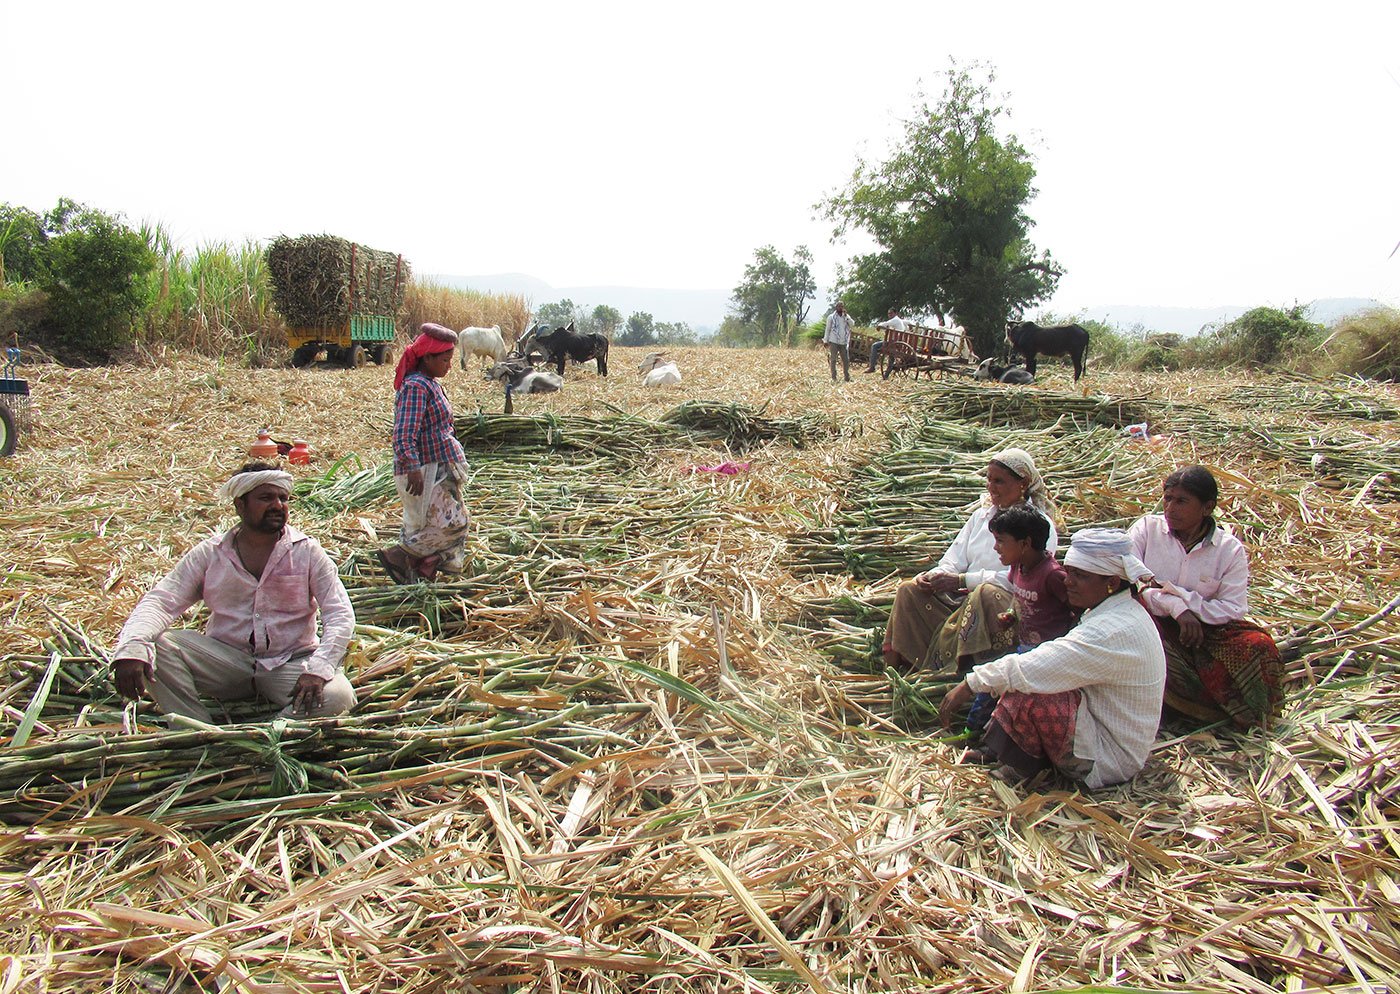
<point>645,742</point>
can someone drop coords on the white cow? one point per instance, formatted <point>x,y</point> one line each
<point>658,371</point>
<point>485,342</point>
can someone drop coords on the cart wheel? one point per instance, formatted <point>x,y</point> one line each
<point>304,355</point>
<point>897,357</point>
<point>384,354</point>
<point>9,434</point>
<point>354,356</point>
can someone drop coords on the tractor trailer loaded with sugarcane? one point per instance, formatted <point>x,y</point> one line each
<point>337,297</point>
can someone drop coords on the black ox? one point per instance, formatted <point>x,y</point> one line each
<point>565,343</point>
<point>1030,339</point>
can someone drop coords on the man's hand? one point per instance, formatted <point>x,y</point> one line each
<point>130,676</point>
<point>953,702</point>
<point>1193,633</point>
<point>938,583</point>
<point>307,694</point>
<point>415,482</point>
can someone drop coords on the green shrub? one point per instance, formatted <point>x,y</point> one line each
<point>22,238</point>
<point>1265,336</point>
<point>23,308</point>
<point>1366,344</point>
<point>94,270</point>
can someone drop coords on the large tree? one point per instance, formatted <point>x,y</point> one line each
<point>557,315</point>
<point>606,319</point>
<point>774,293</point>
<point>947,209</point>
<point>640,330</point>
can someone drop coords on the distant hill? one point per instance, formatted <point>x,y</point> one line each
<point>1190,320</point>
<point>703,310</point>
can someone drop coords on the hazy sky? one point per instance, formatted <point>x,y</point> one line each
<point>1187,154</point>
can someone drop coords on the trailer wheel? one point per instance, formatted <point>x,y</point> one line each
<point>354,356</point>
<point>304,355</point>
<point>384,354</point>
<point>9,434</point>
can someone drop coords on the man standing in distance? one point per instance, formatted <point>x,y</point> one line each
<point>838,340</point>
<point>264,583</point>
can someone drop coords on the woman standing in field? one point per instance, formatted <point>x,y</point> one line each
<point>429,464</point>
<point>935,622</point>
<point>1219,665</point>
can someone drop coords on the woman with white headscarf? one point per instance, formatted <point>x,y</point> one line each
<point>935,621</point>
<point>1088,704</point>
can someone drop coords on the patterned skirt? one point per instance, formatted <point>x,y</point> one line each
<point>1034,732</point>
<point>435,523</point>
<point>1235,674</point>
<point>939,632</point>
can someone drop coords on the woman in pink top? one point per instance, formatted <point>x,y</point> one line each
<point>1219,665</point>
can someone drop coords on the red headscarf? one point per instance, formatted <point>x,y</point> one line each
<point>432,338</point>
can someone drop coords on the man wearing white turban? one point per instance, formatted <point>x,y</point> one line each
<point>1088,704</point>
<point>264,583</point>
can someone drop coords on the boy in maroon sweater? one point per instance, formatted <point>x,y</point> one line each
<point>1041,611</point>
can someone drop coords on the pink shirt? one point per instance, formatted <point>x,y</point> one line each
<point>1211,580</point>
<point>1042,606</point>
<point>272,618</point>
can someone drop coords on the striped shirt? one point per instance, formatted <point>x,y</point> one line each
<point>423,425</point>
<point>1114,658</point>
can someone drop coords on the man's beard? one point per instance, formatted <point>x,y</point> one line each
<point>269,524</point>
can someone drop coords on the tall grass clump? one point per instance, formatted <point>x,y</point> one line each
<point>216,300</point>
<point>1262,337</point>
<point>427,300</point>
<point>1366,344</point>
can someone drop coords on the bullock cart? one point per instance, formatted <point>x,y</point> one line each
<point>919,349</point>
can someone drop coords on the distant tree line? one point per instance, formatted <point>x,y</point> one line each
<point>640,328</point>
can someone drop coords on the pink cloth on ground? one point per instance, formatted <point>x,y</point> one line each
<point>727,468</point>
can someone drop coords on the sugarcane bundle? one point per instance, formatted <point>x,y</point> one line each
<point>1308,398</point>
<point>993,405</point>
<point>906,504</point>
<point>741,426</point>
<point>320,280</point>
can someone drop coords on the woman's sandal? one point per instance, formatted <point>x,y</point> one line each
<point>395,573</point>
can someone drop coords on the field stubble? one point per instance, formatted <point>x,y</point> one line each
<point>618,754</point>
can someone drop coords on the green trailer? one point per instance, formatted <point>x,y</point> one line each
<point>363,337</point>
<point>340,300</point>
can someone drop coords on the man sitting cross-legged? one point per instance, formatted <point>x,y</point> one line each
<point>1087,704</point>
<point>264,583</point>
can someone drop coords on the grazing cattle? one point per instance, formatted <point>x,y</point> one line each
<point>658,371</point>
<point>520,377</point>
<point>989,370</point>
<point>565,343</point>
<point>1030,339</point>
<point>484,342</point>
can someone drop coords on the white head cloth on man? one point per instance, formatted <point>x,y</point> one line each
<point>1107,552</point>
<point>243,483</point>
